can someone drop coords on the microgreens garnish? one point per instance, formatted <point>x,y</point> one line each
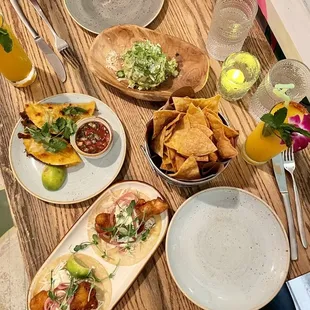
<point>274,124</point>
<point>73,111</point>
<point>63,128</point>
<point>51,293</point>
<point>84,245</point>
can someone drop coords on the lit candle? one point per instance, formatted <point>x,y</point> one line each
<point>235,75</point>
<point>239,72</point>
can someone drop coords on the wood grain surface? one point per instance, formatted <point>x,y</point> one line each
<point>41,225</point>
<point>193,63</point>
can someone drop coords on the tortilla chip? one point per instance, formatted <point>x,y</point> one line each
<point>182,104</point>
<point>173,123</point>
<point>161,118</point>
<point>167,167</point>
<point>191,141</point>
<point>205,158</point>
<point>225,148</point>
<point>213,157</point>
<point>207,131</point>
<point>188,171</point>
<point>179,160</point>
<point>66,157</point>
<point>40,113</point>
<point>158,143</point>
<point>196,115</point>
<point>230,132</point>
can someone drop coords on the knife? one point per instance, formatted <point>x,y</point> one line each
<point>45,48</point>
<point>279,173</point>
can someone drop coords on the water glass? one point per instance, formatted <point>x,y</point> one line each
<point>287,71</point>
<point>231,23</point>
<point>239,72</point>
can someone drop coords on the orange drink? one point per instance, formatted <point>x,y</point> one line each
<point>259,148</point>
<point>14,62</point>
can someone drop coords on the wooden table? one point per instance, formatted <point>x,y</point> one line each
<point>42,225</point>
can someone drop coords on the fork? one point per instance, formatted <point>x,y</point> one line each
<point>61,45</point>
<point>289,165</point>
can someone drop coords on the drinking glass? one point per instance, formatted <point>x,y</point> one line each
<point>239,72</point>
<point>287,71</point>
<point>231,23</point>
<point>259,148</point>
<point>14,62</point>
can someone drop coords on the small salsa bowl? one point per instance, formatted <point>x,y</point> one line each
<point>93,137</point>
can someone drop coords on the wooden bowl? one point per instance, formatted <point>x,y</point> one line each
<point>113,42</point>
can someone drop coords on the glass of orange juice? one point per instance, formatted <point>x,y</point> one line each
<point>14,62</point>
<point>261,146</point>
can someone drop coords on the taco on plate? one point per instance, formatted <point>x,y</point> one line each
<point>126,225</point>
<point>71,282</point>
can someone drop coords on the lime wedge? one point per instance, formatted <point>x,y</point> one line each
<point>76,268</point>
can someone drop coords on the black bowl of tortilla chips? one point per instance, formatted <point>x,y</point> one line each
<point>188,142</point>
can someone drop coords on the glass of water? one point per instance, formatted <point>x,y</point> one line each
<point>286,71</point>
<point>231,23</point>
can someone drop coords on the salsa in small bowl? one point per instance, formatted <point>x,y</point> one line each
<point>93,137</point>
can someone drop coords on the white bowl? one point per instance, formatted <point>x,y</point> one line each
<point>83,122</point>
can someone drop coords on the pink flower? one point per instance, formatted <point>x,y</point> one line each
<point>300,142</point>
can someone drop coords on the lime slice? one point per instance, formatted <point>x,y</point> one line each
<point>76,268</point>
<point>53,177</point>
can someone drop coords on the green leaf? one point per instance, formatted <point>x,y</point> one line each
<point>267,130</point>
<point>286,136</point>
<point>269,119</point>
<point>52,295</point>
<point>55,145</point>
<point>5,40</point>
<point>293,128</point>
<point>280,116</point>
<point>130,208</point>
<point>45,129</point>
<point>95,239</point>
<point>73,111</point>
<point>61,123</point>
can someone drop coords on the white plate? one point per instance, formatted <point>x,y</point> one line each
<point>125,275</point>
<point>97,15</point>
<point>85,180</point>
<point>233,248</point>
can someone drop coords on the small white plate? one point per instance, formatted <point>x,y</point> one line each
<point>227,250</point>
<point>97,15</point>
<point>84,180</point>
<point>125,275</point>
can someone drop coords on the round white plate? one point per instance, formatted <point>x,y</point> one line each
<point>97,15</point>
<point>84,180</point>
<point>227,250</point>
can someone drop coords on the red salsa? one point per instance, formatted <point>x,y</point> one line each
<point>92,137</point>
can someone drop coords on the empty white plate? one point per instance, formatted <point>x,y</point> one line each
<point>227,250</point>
<point>84,180</point>
<point>97,15</point>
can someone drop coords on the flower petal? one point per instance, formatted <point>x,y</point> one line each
<point>305,124</point>
<point>300,142</point>
<point>295,120</point>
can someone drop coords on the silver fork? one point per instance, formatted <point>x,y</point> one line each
<point>61,45</point>
<point>289,165</point>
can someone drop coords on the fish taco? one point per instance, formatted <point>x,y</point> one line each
<point>125,225</point>
<point>71,282</point>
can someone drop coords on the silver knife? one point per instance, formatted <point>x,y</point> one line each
<point>45,48</point>
<point>279,173</point>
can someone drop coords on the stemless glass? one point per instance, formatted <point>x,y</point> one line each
<point>239,72</point>
<point>14,62</point>
<point>231,23</point>
<point>287,71</point>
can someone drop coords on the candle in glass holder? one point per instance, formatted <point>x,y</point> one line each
<point>239,72</point>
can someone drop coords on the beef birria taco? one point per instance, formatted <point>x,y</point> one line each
<point>71,282</point>
<point>125,225</point>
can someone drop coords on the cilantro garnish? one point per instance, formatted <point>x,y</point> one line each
<point>274,124</point>
<point>72,111</point>
<point>5,40</point>
<point>63,128</point>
